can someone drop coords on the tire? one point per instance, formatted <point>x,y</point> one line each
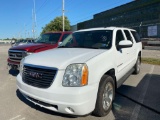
<point>104,97</point>
<point>137,66</point>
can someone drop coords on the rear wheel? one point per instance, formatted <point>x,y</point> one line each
<point>137,66</point>
<point>105,96</point>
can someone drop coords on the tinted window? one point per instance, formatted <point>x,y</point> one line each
<point>64,36</point>
<point>49,38</point>
<point>128,35</point>
<point>136,36</point>
<point>98,39</point>
<point>119,36</point>
<point>24,41</point>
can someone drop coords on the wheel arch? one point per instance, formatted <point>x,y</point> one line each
<point>111,73</point>
<point>140,55</point>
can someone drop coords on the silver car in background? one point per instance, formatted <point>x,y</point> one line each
<point>21,42</point>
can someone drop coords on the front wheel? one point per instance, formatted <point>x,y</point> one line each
<point>137,66</point>
<point>105,96</point>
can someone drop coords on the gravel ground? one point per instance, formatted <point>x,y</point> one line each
<point>151,54</point>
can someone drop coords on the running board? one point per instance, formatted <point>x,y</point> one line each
<point>123,79</point>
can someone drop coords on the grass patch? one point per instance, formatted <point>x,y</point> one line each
<point>153,61</point>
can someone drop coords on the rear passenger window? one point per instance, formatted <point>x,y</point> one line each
<point>119,36</point>
<point>128,35</point>
<point>136,36</point>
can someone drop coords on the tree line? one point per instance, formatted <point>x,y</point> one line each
<point>56,25</point>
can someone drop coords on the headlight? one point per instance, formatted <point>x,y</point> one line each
<point>29,53</point>
<point>26,53</point>
<point>76,75</point>
<point>21,66</point>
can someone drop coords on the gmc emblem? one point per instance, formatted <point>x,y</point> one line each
<point>13,55</point>
<point>35,75</point>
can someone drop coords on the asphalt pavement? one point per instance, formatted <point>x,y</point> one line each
<point>137,99</point>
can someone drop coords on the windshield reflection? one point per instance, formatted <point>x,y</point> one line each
<point>49,38</point>
<point>98,39</point>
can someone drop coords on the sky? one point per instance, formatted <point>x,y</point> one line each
<point>16,15</point>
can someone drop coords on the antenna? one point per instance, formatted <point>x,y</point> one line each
<point>63,15</point>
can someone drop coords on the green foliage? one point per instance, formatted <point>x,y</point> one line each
<point>153,61</point>
<point>6,39</point>
<point>14,39</point>
<point>56,25</point>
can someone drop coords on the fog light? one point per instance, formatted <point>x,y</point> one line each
<point>69,110</point>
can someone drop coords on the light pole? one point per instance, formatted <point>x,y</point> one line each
<point>63,15</point>
<point>33,19</point>
<point>140,33</point>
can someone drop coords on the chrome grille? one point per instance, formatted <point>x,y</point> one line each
<point>36,76</point>
<point>15,55</point>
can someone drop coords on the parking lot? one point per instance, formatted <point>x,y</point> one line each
<point>137,99</point>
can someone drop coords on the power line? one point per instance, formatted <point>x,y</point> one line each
<point>43,4</point>
<point>87,16</point>
<point>34,17</point>
<point>54,11</point>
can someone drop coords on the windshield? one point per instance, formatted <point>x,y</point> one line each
<point>19,41</point>
<point>51,38</point>
<point>24,41</point>
<point>98,39</point>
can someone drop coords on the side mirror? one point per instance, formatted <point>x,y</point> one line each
<point>124,44</point>
<point>59,43</point>
<point>12,42</point>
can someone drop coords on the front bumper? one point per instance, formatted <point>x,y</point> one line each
<point>67,100</point>
<point>13,65</point>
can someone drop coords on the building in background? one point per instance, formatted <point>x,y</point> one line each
<point>73,27</point>
<point>142,15</point>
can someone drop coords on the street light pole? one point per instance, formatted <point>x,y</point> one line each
<point>63,15</point>
<point>33,19</point>
<point>140,31</point>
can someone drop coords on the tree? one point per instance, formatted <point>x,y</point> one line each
<point>56,25</point>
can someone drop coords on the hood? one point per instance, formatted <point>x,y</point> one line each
<point>62,57</point>
<point>34,47</point>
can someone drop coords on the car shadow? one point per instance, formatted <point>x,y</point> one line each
<point>129,97</point>
<point>13,72</point>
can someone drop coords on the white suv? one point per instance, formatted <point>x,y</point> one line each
<point>80,77</point>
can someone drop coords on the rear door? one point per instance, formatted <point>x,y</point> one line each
<point>131,50</point>
<point>121,55</point>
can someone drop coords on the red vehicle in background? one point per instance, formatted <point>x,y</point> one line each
<point>45,42</point>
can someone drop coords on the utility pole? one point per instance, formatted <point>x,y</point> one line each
<point>33,20</point>
<point>140,29</point>
<point>24,30</point>
<point>33,23</point>
<point>63,15</point>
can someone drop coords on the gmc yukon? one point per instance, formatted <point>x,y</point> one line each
<point>82,74</point>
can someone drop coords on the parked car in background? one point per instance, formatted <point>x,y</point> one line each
<point>44,42</point>
<point>22,42</point>
<point>83,73</point>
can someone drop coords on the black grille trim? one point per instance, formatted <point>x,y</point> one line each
<point>15,55</point>
<point>38,76</point>
<point>43,103</point>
